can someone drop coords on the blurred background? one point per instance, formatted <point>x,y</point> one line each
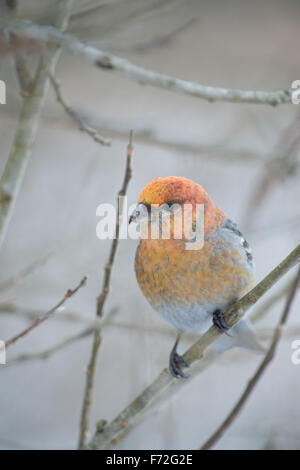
<point>245,155</point>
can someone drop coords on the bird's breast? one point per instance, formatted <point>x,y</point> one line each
<point>191,284</point>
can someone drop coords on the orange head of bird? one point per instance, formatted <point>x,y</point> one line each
<point>173,192</point>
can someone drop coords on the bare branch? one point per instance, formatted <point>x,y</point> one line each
<point>23,74</point>
<point>283,162</point>
<point>107,270</point>
<point>46,353</point>
<point>84,422</point>
<point>133,412</point>
<point>110,62</point>
<point>83,126</point>
<point>25,136</point>
<point>17,278</point>
<point>44,317</point>
<point>30,314</point>
<point>150,136</point>
<point>258,374</point>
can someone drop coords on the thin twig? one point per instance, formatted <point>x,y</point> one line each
<point>30,314</point>
<point>258,374</point>
<point>83,333</point>
<point>107,270</point>
<point>112,63</point>
<point>150,136</point>
<point>82,125</point>
<point>46,353</point>
<point>17,278</point>
<point>44,317</point>
<point>283,162</point>
<point>90,373</point>
<point>133,412</point>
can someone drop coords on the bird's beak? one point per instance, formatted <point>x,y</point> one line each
<point>139,214</point>
<point>134,215</point>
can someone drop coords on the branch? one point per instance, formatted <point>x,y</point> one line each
<point>83,333</point>
<point>46,353</point>
<point>30,314</point>
<point>258,374</point>
<point>150,136</point>
<point>25,136</point>
<point>107,61</point>
<point>87,399</point>
<point>282,162</point>
<point>41,319</point>
<point>17,278</point>
<point>21,66</point>
<point>75,115</point>
<point>127,176</point>
<point>130,415</point>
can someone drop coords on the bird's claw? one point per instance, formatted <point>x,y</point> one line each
<point>219,321</point>
<point>176,363</point>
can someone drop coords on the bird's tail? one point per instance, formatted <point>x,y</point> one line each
<point>242,335</point>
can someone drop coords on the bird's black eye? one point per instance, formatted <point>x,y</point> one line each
<point>168,206</point>
<point>174,203</point>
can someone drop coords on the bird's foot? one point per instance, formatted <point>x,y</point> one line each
<point>219,322</point>
<point>176,363</point>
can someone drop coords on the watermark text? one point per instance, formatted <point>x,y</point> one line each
<point>166,221</point>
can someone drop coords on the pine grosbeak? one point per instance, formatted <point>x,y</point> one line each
<point>192,288</point>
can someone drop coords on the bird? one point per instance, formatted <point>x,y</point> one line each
<point>191,288</point>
